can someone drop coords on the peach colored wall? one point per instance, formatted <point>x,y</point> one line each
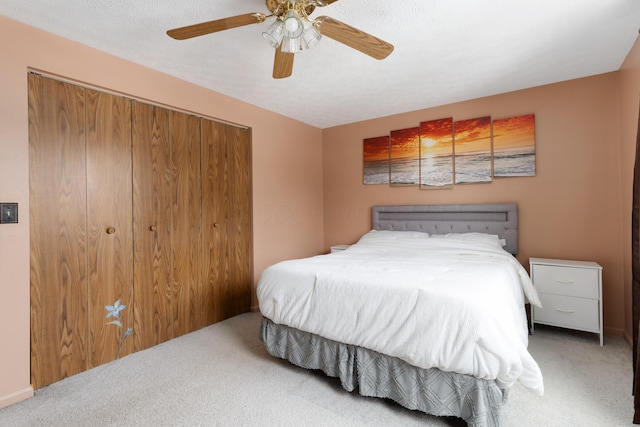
<point>629,76</point>
<point>287,170</point>
<point>571,209</point>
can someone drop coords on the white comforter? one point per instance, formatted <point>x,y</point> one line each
<point>457,306</point>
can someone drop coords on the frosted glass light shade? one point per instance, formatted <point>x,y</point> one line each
<point>293,25</point>
<point>310,36</point>
<point>291,44</point>
<point>292,33</point>
<point>274,33</point>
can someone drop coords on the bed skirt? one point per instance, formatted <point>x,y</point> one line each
<point>373,374</point>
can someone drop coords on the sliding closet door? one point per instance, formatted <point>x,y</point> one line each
<point>240,223</point>
<point>152,224</point>
<point>109,225</point>
<point>57,218</point>
<point>186,222</point>
<point>226,215</point>
<point>215,221</point>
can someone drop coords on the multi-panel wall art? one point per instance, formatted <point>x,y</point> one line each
<point>404,156</point>
<point>376,160</point>
<point>472,148</point>
<point>514,147</point>
<point>436,153</point>
<point>440,153</point>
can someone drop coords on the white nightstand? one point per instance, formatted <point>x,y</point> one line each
<point>338,248</point>
<point>570,293</point>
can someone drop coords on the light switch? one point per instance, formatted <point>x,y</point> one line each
<point>8,213</point>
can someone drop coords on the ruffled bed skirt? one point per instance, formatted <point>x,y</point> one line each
<point>432,391</point>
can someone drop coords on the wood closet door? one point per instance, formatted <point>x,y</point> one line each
<point>109,224</point>
<point>227,222</point>
<point>58,229</point>
<point>215,221</point>
<point>238,295</point>
<point>186,223</point>
<point>152,225</point>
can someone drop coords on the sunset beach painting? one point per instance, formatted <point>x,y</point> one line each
<point>514,146</point>
<point>472,147</point>
<point>440,153</point>
<point>436,154</point>
<point>376,160</point>
<point>404,157</point>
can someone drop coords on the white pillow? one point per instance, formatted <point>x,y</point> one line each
<point>483,238</point>
<point>389,235</point>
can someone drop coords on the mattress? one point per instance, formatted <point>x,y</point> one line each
<point>451,302</point>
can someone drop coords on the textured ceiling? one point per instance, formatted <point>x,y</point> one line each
<point>445,51</point>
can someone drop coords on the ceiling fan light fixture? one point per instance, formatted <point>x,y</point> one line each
<point>274,33</point>
<point>310,35</point>
<point>291,44</point>
<point>293,25</point>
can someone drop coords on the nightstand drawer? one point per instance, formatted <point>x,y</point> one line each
<point>576,313</point>
<point>579,282</point>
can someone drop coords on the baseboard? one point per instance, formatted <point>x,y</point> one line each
<point>619,333</point>
<point>16,397</point>
<point>613,331</point>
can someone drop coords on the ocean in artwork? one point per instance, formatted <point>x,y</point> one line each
<point>404,171</point>
<point>376,172</point>
<point>473,167</point>
<point>519,161</point>
<point>436,171</point>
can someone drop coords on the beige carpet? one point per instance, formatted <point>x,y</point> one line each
<point>222,376</point>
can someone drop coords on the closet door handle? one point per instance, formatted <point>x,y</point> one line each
<point>111,230</point>
<point>153,228</point>
<point>216,225</point>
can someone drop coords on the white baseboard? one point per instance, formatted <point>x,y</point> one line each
<point>15,397</point>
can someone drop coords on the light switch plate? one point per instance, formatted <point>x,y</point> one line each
<point>8,213</point>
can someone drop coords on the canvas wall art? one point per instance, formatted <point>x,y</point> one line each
<point>472,147</point>
<point>404,157</point>
<point>376,160</point>
<point>441,153</point>
<point>436,154</point>
<point>514,146</point>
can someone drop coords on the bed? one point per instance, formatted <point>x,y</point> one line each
<point>426,309</point>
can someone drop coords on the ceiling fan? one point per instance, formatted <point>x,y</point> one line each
<point>292,31</point>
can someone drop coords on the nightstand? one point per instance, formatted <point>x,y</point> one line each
<point>338,248</point>
<point>570,293</point>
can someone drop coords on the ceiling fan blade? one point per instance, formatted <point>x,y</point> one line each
<point>353,37</point>
<point>282,64</point>
<point>209,27</point>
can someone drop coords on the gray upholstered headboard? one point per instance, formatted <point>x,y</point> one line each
<point>500,219</point>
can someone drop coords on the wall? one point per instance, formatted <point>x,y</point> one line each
<point>287,170</point>
<point>571,209</point>
<point>629,90</point>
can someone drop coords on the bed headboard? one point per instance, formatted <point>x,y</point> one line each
<point>500,219</point>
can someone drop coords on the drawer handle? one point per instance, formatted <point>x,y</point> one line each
<point>565,311</point>
<point>565,281</point>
